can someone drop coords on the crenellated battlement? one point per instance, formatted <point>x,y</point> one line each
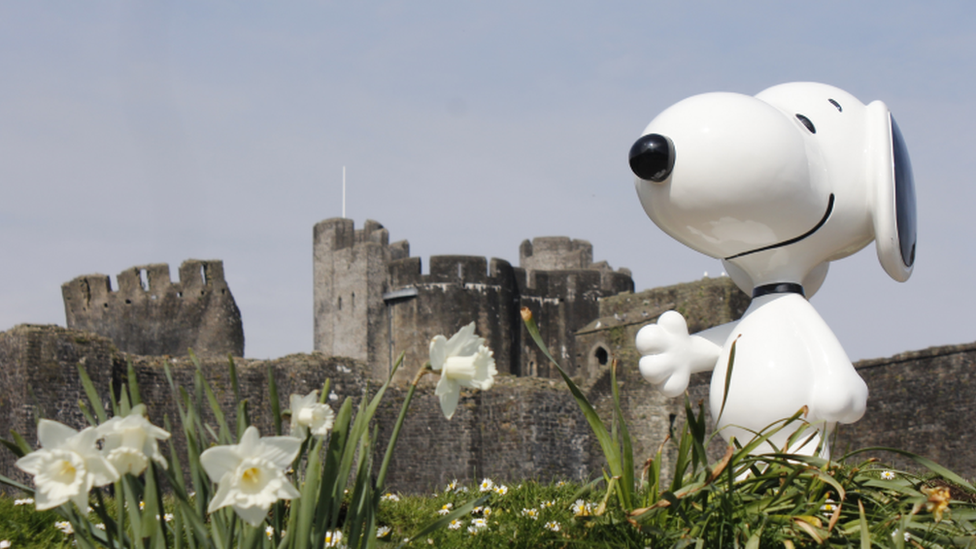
<point>340,233</point>
<point>552,253</point>
<point>373,300</point>
<point>450,269</point>
<point>151,314</point>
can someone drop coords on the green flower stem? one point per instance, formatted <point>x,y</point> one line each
<point>610,445</point>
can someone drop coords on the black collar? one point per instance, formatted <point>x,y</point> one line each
<point>778,288</point>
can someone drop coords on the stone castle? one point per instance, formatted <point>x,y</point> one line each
<point>372,302</point>
<point>151,315</point>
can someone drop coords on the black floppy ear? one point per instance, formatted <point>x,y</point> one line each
<point>895,225</point>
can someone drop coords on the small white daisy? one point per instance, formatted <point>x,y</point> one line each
<point>582,508</point>
<point>887,475</point>
<point>333,538</point>
<point>445,509</point>
<point>501,489</point>
<point>383,531</point>
<point>828,507</point>
<point>389,497</point>
<point>479,523</point>
<point>486,485</point>
<point>455,525</point>
<point>552,525</point>
<point>531,513</point>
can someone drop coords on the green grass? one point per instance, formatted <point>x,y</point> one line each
<point>508,520</point>
<point>784,506</point>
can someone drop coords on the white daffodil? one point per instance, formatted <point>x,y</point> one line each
<point>130,442</point>
<point>66,466</point>
<point>463,361</point>
<point>308,414</point>
<point>251,474</point>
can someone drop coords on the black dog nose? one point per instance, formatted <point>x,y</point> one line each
<point>652,157</point>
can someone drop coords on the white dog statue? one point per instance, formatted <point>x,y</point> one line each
<point>776,186</point>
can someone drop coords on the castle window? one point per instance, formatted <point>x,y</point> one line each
<point>601,356</point>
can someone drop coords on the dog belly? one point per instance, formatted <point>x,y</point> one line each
<point>783,351</point>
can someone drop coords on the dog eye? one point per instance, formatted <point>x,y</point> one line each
<point>806,122</point>
<point>836,104</point>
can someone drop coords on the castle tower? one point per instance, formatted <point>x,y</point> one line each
<point>350,272</point>
<point>555,253</point>
<point>151,315</point>
<point>558,281</point>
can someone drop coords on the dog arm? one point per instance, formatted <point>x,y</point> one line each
<point>669,355</point>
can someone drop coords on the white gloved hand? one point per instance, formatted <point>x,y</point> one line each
<point>667,353</point>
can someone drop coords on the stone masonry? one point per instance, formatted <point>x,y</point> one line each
<point>151,315</point>
<point>522,428</point>
<point>372,300</point>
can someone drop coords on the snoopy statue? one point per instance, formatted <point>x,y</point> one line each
<point>777,186</point>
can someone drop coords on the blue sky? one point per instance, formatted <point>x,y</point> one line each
<point>135,133</point>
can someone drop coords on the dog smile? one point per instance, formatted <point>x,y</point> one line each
<point>795,239</point>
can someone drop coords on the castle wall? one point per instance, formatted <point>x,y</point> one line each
<point>372,301</point>
<point>522,428</point>
<point>458,290</point>
<point>611,332</point>
<point>158,316</point>
<point>923,402</point>
<point>562,302</point>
